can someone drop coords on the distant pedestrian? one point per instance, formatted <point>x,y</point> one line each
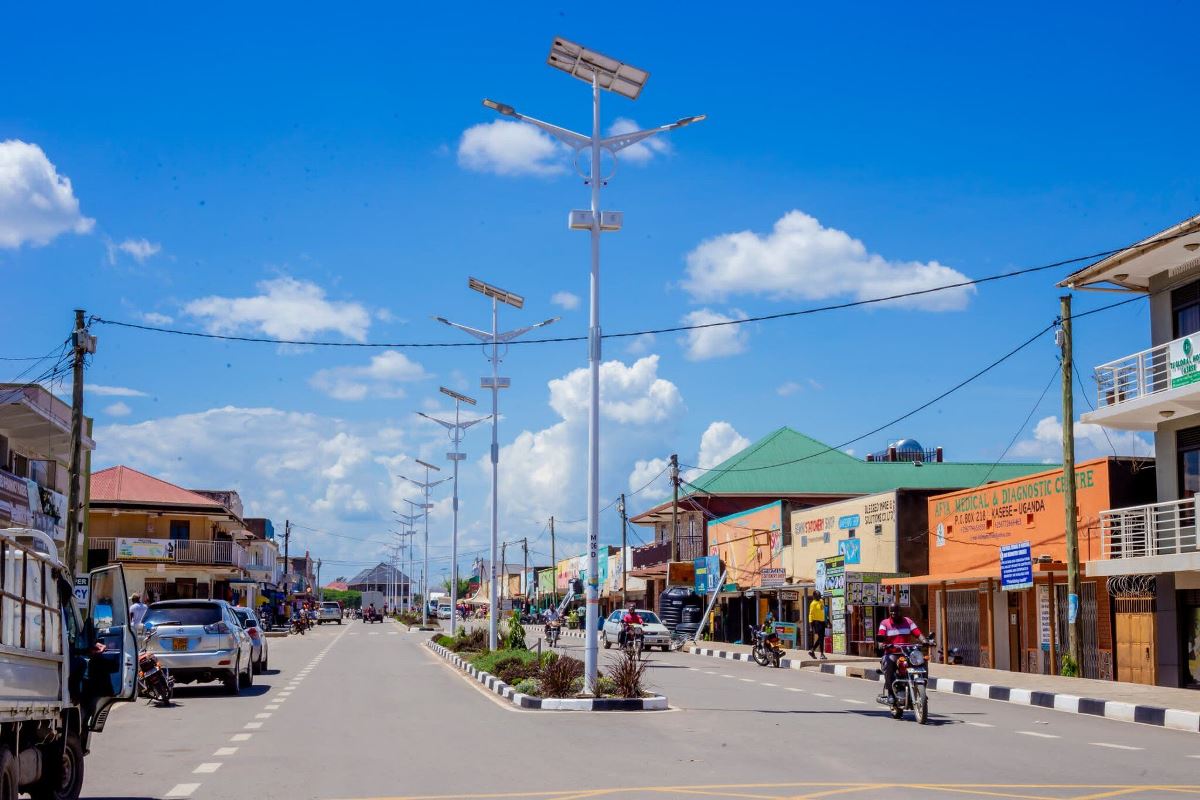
<point>137,610</point>
<point>816,626</point>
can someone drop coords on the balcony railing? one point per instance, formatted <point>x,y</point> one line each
<point>179,551</point>
<point>1161,529</point>
<point>1131,377</point>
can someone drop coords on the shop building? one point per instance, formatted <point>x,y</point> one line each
<point>1150,552</point>
<point>987,617</point>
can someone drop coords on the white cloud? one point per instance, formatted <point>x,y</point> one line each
<point>155,318</point>
<point>510,148</point>
<point>632,394</point>
<point>719,442</point>
<point>565,300</point>
<point>649,481</point>
<point>118,409</point>
<point>286,308</point>
<point>1090,442</point>
<point>702,344</point>
<point>379,377</point>
<point>803,260</point>
<point>112,391</point>
<point>36,203</point>
<point>138,249</point>
<point>640,344</point>
<point>788,388</point>
<point>644,150</point>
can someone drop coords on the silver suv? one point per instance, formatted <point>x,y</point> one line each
<point>200,641</point>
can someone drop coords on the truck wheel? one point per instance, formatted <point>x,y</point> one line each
<point>8,775</point>
<point>65,781</point>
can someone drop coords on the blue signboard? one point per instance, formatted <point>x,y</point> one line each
<point>848,522</point>
<point>851,549</point>
<point>708,572</point>
<point>1016,566</point>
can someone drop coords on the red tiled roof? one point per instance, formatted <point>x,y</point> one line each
<point>337,586</point>
<point>124,485</point>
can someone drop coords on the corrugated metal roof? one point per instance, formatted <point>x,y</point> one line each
<point>125,485</point>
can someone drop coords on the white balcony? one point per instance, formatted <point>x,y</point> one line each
<point>1148,539</point>
<point>177,551</point>
<point>1138,392</point>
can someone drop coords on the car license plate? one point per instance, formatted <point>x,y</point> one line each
<point>179,644</point>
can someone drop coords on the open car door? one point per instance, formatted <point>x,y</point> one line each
<point>111,672</point>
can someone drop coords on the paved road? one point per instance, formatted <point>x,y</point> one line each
<point>363,711</point>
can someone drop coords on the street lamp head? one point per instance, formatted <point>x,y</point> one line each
<point>428,465</point>
<point>462,398</point>
<point>588,65</point>
<point>689,120</point>
<point>500,108</point>
<point>496,293</point>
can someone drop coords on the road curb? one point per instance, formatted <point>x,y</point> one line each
<point>1175,719</point>
<point>521,700</point>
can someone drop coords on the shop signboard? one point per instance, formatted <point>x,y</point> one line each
<point>848,522</point>
<point>1016,566</point>
<point>851,550</point>
<point>748,542</point>
<point>82,587</point>
<point>545,581</point>
<point>773,576</point>
<point>681,573</point>
<point>708,572</point>
<point>820,532</point>
<point>789,632</point>
<point>145,549</point>
<point>1043,593</point>
<point>1183,362</point>
<point>835,590</point>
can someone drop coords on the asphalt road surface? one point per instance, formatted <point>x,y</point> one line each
<point>364,711</point>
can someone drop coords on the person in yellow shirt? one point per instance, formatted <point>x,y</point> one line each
<point>816,626</point>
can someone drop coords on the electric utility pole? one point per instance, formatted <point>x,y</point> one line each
<point>675,508</point>
<point>525,570</point>
<point>553,566</point>
<point>320,588</point>
<point>1074,638</point>
<point>287,563</point>
<point>624,519</point>
<point>503,571</point>
<point>82,343</point>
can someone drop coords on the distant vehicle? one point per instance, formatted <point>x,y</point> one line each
<point>373,598</point>
<point>58,685</point>
<point>330,611</point>
<point>201,641</point>
<point>654,632</point>
<point>443,611</point>
<point>258,641</point>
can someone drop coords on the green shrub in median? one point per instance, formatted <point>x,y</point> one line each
<point>515,638</point>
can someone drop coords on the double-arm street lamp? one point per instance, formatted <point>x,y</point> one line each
<point>495,339</point>
<point>615,76</point>
<point>427,506</point>
<point>455,429</point>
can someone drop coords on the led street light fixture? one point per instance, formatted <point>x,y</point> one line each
<point>585,65</point>
<point>500,108</point>
<point>430,466</point>
<point>496,293</point>
<point>460,397</point>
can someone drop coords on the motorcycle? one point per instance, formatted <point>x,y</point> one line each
<point>552,631</point>
<point>299,624</point>
<point>635,640</point>
<point>767,648</point>
<point>154,681</point>
<point>910,689</point>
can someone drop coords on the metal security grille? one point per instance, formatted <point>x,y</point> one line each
<point>1087,616</point>
<point>962,625</point>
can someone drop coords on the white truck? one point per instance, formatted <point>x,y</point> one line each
<point>60,670</point>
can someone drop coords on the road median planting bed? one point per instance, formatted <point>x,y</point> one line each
<point>530,702</point>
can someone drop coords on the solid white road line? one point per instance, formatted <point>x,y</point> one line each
<point>240,737</point>
<point>210,766</point>
<point>181,790</point>
<point>1115,746</point>
<point>981,725</point>
<point>225,751</point>
<point>1039,735</point>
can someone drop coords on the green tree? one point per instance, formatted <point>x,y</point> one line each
<point>464,586</point>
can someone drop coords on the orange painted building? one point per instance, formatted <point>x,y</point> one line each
<point>1025,629</point>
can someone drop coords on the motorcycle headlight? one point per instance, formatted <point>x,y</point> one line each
<point>917,658</point>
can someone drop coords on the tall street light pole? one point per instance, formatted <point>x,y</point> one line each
<point>412,531</point>
<point>456,429</point>
<point>426,485</point>
<point>495,338</point>
<point>601,72</point>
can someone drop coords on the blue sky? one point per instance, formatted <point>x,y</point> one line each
<point>299,172</point>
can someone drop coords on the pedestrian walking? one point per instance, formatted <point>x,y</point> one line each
<point>137,610</point>
<point>816,626</point>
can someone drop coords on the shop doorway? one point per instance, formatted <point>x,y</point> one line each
<point>1090,668</point>
<point>1014,631</point>
<point>1135,642</point>
<point>962,624</point>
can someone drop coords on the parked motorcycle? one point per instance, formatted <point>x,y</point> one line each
<point>154,681</point>
<point>767,649</point>
<point>911,686</point>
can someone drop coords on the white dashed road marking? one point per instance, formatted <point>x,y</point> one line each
<point>252,726</point>
<point>272,707</point>
<point>774,685</point>
<point>211,766</point>
<point>746,680</point>
<point>981,725</point>
<point>225,751</point>
<point>240,737</point>
<point>819,694</point>
<point>852,700</point>
<point>1039,735</point>
<point>182,790</point>
<point>1116,746</point>
<point>794,689</point>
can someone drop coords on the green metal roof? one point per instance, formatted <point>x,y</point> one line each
<point>786,462</point>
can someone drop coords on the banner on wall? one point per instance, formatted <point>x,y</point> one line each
<point>145,549</point>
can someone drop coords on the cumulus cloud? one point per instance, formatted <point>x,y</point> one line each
<point>643,151</point>
<point>1045,443</point>
<point>718,341</point>
<point>510,148</point>
<point>565,300</point>
<point>118,409</point>
<point>138,249</point>
<point>285,308</point>
<point>719,442</point>
<point>380,377</point>
<point>155,318</point>
<point>36,203</point>
<point>631,394</point>
<point>800,259</point>
<point>649,479</point>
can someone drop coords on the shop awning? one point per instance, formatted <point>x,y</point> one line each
<point>977,574</point>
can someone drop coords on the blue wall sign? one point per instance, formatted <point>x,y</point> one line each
<point>1016,566</point>
<point>851,549</point>
<point>848,522</point>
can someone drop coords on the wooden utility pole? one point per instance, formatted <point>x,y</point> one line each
<point>624,519</point>
<point>675,508</point>
<point>1074,609</point>
<point>525,570</point>
<point>553,566</point>
<point>81,344</point>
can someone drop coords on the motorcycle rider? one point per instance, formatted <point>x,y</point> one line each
<point>894,630</point>
<point>631,617</point>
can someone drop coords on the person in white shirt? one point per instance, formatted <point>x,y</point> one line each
<point>137,610</point>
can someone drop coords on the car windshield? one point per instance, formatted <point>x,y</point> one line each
<point>649,617</point>
<point>246,618</point>
<point>183,614</point>
<point>330,606</point>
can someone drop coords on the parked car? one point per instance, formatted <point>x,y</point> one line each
<point>201,641</point>
<point>330,611</point>
<point>655,633</point>
<point>443,611</point>
<point>258,640</point>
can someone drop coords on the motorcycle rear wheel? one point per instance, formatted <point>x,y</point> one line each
<point>921,705</point>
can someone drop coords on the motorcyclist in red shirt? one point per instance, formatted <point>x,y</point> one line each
<point>894,629</point>
<point>631,617</point>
